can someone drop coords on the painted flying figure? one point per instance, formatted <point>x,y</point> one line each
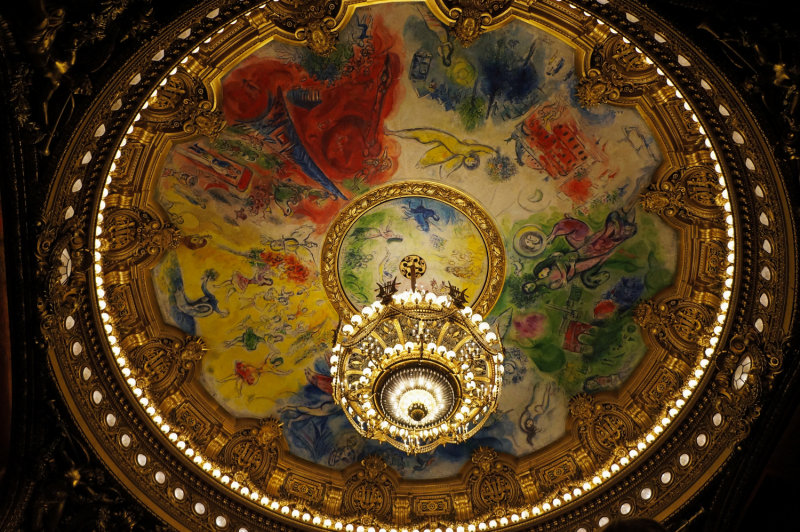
<point>367,233</point>
<point>239,282</point>
<point>447,152</point>
<point>202,306</point>
<point>530,418</point>
<point>422,215</point>
<point>249,374</point>
<point>589,251</point>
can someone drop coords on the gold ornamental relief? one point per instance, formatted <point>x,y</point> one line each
<point>310,22</point>
<point>690,196</point>
<point>472,17</point>
<point>617,73</point>
<point>183,105</point>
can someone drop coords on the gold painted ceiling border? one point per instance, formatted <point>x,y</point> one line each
<point>755,331</point>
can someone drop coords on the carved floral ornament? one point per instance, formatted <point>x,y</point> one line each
<point>708,337</point>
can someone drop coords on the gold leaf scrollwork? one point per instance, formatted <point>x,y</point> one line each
<point>319,36</point>
<point>617,71</point>
<point>134,236</point>
<point>659,387</point>
<point>195,421</point>
<point>370,491</point>
<point>678,324</point>
<point>433,506</point>
<point>472,16</point>
<point>162,362</point>
<point>305,489</point>
<point>493,484</point>
<point>468,24</point>
<point>603,427</point>
<point>558,472</point>
<point>122,308</point>
<point>311,22</point>
<point>194,348</point>
<point>206,121</point>
<point>688,195</point>
<point>595,89</point>
<point>269,431</point>
<point>254,450</point>
<point>183,105</point>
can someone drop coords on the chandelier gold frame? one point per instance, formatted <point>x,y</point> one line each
<point>417,330</point>
<point>716,336</point>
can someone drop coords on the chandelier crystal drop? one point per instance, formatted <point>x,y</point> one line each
<point>417,369</point>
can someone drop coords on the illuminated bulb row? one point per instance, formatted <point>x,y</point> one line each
<point>409,299</point>
<point>416,297</point>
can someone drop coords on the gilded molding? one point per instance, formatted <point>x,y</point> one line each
<point>471,17</point>
<point>310,22</point>
<point>617,73</point>
<point>182,104</point>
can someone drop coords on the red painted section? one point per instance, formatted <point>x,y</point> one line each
<point>344,132</point>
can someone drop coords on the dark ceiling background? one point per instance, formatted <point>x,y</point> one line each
<point>55,54</point>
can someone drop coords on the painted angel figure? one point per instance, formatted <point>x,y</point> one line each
<point>589,251</point>
<point>447,152</point>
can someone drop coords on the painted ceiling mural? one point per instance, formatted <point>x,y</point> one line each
<point>400,99</point>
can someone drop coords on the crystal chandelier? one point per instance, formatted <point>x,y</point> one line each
<point>417,369</point>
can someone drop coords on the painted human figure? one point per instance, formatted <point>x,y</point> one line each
<point>589,251</point>
<point>249,374</point>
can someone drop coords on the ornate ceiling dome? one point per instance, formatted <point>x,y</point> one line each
<point>582,172</point>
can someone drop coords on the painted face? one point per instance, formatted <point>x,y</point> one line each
<point>471,162</point>
<point>532,241</point>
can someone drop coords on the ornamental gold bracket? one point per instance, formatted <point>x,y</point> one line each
<point>689,195</point>
<point>617,73</point>
<point>470,18</point>
<point>308,21</point>
<point>183,104</point>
